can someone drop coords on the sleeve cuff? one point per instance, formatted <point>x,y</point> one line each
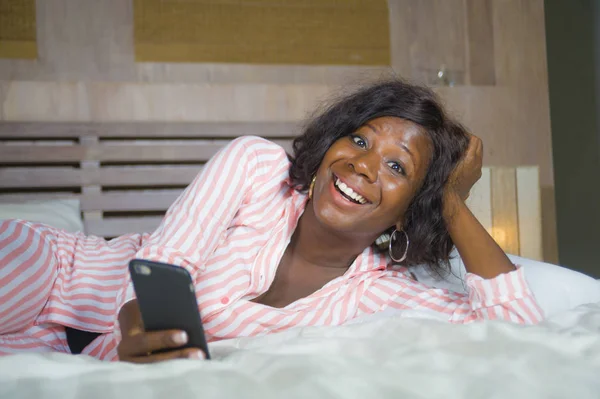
<point>503,288</point>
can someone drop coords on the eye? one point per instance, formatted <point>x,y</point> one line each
<point>396,167</point>
<point>359,141</point>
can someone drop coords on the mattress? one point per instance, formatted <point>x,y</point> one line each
<point>389,355</point>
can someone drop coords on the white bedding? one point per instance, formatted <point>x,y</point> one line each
<point>397,356</point>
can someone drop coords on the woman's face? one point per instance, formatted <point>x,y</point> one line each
<point>367,180</point>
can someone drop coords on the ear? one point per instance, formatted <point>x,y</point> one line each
<point>399,225</point>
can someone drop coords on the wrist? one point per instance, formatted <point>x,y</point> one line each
<point>452,204</point>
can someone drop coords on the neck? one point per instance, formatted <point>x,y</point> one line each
<point>316,245</point>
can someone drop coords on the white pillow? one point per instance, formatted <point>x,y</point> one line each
<point>557,289</point>
<point>59,213</point>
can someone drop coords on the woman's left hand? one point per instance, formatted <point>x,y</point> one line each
<point>468,171</point>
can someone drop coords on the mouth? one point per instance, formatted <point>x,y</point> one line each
<point>348,193</point>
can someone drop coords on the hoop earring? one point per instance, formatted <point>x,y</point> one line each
<point>312,187</point>
<point>391,252</point>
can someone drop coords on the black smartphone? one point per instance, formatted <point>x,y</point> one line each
<point>167,299</point>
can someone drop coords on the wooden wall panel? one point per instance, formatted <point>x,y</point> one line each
<point>86,72</point>
<point>480,38</point>
<point>93,41</point>
<point>435,38</point>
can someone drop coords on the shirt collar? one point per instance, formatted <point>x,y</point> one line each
<point>369,260</point>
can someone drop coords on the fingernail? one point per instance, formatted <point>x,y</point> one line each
<point>196,355</point>
<point>180,338</point>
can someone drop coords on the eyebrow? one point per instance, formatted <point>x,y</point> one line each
<point>401,144</point>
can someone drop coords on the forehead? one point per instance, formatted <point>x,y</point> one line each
<point>402,130</point>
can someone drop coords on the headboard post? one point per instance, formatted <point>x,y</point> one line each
<point>87,165</point>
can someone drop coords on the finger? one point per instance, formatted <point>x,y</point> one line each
<point>142,343</point>
<point>188,353</point>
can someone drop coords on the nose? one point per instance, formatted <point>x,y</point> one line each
<point>365,164</point>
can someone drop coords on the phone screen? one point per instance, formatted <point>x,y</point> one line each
<point>167,300</point>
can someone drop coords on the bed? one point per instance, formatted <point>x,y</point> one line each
<point>390,356</point>
<point>123,176</point>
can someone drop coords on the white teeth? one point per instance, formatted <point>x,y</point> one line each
<point>349,192</point>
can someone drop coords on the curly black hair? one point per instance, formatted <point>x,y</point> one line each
<point>430,242</point>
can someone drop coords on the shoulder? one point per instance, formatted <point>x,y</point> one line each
<point>258,159</point>
<point>258,148</point>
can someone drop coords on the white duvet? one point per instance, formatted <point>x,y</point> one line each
<point>396,356</point>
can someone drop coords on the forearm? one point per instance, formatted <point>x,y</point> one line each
<point>481,255</point>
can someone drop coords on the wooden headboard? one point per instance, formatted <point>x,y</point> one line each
<point>127,174</point>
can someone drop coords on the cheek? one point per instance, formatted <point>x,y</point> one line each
<point>397,195</point>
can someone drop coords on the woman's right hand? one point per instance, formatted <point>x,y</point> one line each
<point>138,346</point>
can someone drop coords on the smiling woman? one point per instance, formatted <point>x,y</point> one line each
<point>273,242</point>
<point>402,137</point>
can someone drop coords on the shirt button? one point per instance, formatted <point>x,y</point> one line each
<point>224,300</point>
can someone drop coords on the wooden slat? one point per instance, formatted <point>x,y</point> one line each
<point>42,154</point>
<point>143,175</point>
<point>106,153</point>
<point>480,199</point>
<point>130,201</point>
<point>134,152</point>
<point>147,129</point>
<point>138,152</point>
<point>480,39</point>
<point>109,176</point>
<point>505,218</point>
<point>529,211</point>
<point>113,227</point>
<point>26,197</point>
<point>40,177</point>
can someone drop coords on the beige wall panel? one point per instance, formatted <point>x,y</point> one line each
<point>46,101</point>
<point>62,101</point>
<point>79,40</point>
<point>529,213</point>
<point>247,73</point>
<point>505,218</point>
<point>480,199</point>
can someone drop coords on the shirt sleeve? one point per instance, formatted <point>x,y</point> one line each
<point>196,222</point>
<point>505,297</point>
